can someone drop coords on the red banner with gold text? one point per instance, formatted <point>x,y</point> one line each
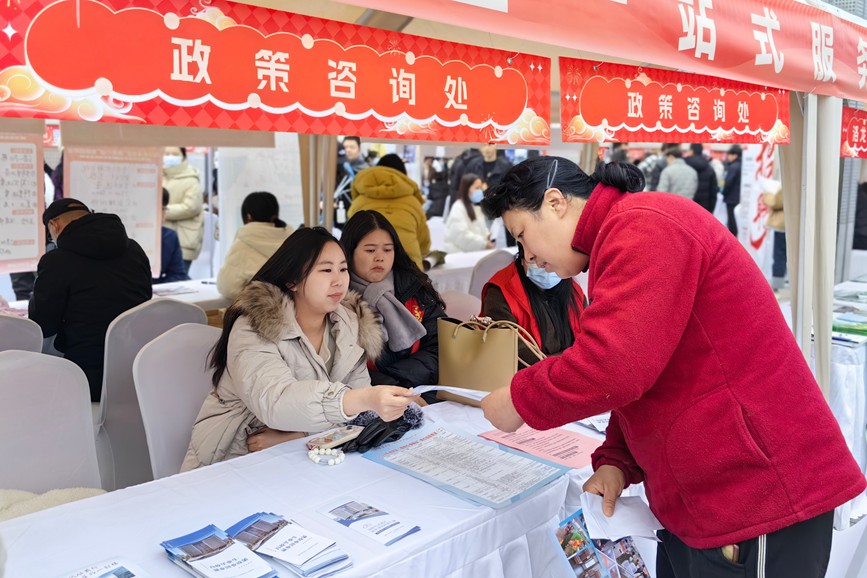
<point>614,102</point>
<point>218,64</point>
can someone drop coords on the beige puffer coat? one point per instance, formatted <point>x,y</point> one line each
<point>184,211</point>
<point>275,378</point>
<point>253,245</point>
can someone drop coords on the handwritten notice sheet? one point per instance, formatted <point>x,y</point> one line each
<point>470,468</point>
<point>22,236</point>
<point>558,445</point>
<point>126,182</point>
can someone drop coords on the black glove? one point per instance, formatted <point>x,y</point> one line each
<point>378,432</point>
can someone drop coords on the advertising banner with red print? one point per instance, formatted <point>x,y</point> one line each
<point>854,133</point>
<point>791,44</point>
<point>603,102</point>
<point>217,64</point>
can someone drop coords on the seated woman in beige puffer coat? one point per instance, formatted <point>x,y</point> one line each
<point>292,359</point>
<point>260,237</point>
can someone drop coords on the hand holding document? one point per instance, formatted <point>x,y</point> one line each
<point>632,517</point>
<point>468,393</point>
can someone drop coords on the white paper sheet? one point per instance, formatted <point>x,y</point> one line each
<point>632,517</point>
<point>469,393</point>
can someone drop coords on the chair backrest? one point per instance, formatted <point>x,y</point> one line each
<point>46,428</point>
<point>485,269</point>
<point>172,380</point>
<point>19,333</point>
<point>461,305</point>
<point>120,438</point>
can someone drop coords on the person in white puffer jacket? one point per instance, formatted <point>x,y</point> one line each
<point>466,226</point>
<point>260,237</point>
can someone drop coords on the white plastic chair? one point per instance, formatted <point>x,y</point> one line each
<point>461,305</point>
<point>19,333</point>
<point>46,430</point>
<point>486,268</point>
<point>172,380</point>
<point>120,438</point>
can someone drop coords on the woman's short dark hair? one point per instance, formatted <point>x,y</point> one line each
<point>262,207</point>
<point>524,186</point>
<point>392,161</point>
<point>464,193</point>
<point>289,266</point>
<point>183,151</point>
<point>356,139</point>
<point>362,224</point>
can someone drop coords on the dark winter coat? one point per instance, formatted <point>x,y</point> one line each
<point>95,274</point>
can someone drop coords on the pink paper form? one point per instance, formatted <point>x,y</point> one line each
<point>558,445</point>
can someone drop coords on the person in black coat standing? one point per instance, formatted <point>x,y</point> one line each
<point>95,274</point>
<point>732,187</point>
<point>708,187</point>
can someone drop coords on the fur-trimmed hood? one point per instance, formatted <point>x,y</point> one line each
<point>271,313</point>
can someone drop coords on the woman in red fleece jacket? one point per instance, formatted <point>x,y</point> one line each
<point>712,404</point>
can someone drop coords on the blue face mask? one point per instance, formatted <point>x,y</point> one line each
<point>542,278</point>
<point>170,161</point>
<point>476,196</point>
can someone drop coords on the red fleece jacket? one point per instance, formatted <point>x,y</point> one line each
<point>713,405</point>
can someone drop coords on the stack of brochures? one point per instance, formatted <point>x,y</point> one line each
<point>850,320</point>
<point>301,551</point>
<point>598,558</point>
<point>211,553</point>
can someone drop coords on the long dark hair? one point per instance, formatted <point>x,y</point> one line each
<point>558,302</point>
<point>524,186</point>
<point>289,266</point>
<point>262,207</point>
<point>362,224</point>
<point>464,193</point>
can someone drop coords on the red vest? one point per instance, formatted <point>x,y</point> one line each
<point>509,282</point>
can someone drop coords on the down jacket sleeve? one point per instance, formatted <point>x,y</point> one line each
<point>276,395</point>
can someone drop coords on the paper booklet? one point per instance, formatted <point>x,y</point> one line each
<point>469,467</point>
<point>598,558</point>
<point>370,521</point>
<point>211,553</point>
<point>597,422</point>
<point>114,568</point>
<point>299,550</point>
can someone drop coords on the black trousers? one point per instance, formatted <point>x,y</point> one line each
<point>732,223</point>
<point>799,551</point>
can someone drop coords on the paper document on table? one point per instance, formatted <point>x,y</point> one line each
<point>596,422</point>
<point>473,394</point>
<point>558,445</point>
<point>109,569</point>
<point>632,517</point>
<point>369,521</point>
<point>472,469</point>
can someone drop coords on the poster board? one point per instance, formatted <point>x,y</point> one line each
<point>241,171</point>
<point>125,181</point>
<point>22,186</point>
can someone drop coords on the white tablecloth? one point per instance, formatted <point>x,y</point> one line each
<point>456,538</point>
<point>455,273</point>
<point>204,293</point>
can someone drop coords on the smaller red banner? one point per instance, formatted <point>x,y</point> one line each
<point>853,136</point>
<point>604,102</point>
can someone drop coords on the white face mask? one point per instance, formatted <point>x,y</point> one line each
<point>170,161</point>
<point>476,196</point>
<point>541,278</point>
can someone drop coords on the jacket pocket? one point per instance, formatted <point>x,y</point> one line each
<point>726,482</point>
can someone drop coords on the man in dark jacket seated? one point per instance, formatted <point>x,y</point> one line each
<point>95,274</point>
<point>171,257</point>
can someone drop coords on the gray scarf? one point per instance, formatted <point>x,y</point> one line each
<point>400,327</point>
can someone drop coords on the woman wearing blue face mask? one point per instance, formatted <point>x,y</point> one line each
<point>466,227</point>
<point>548,307</point>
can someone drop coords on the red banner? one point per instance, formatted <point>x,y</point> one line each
<point>225,65</point>
<point>789,44</point>
<point>853,136</point>
<point>613,102</point>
